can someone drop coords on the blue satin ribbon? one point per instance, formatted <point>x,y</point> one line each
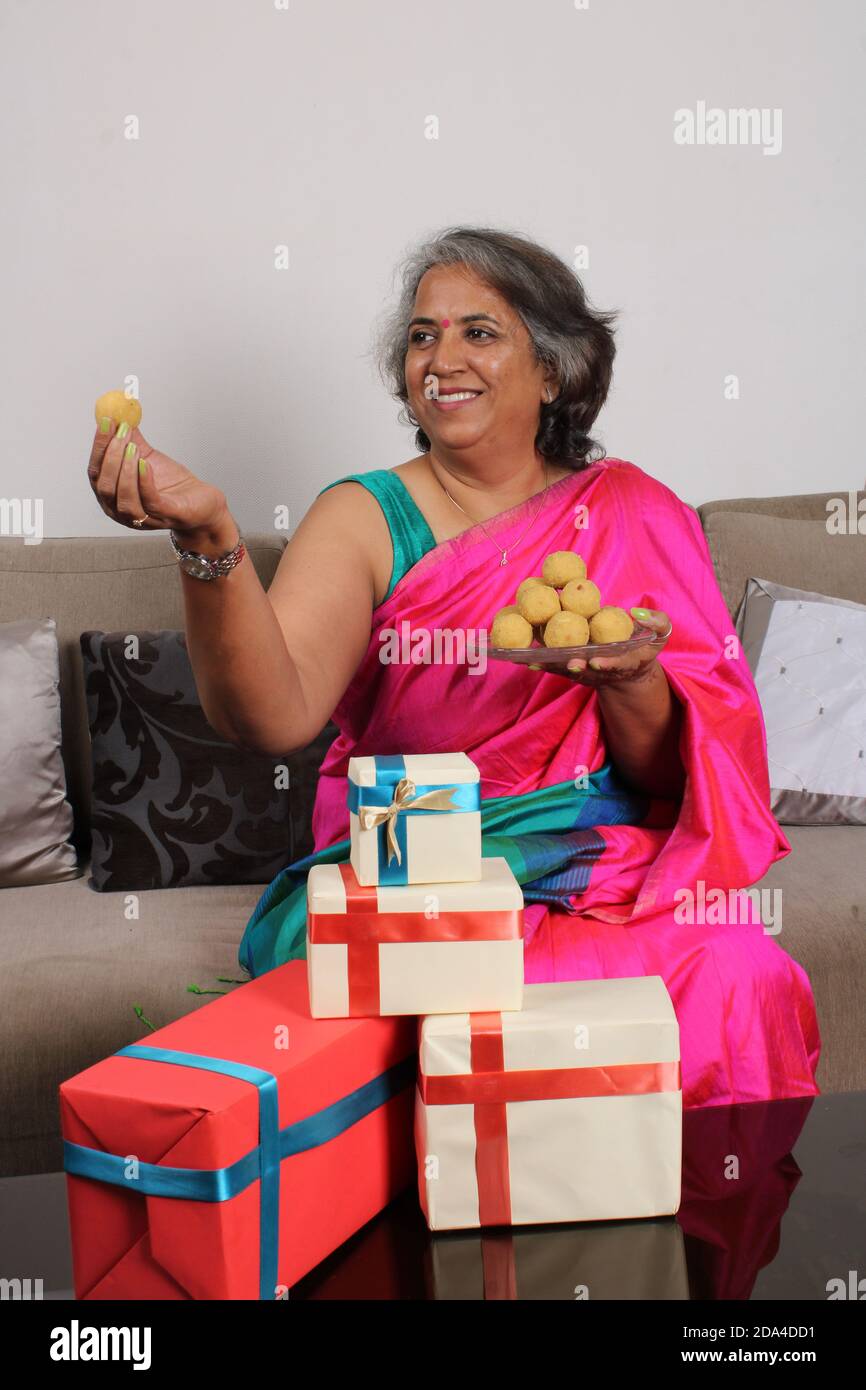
<point>262,1162</point>
<point>390,769</point>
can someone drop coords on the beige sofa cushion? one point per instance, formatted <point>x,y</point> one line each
<point>799,554</point>
<point>75,966</point>
<point>797,506</point>
<point>823,900</point>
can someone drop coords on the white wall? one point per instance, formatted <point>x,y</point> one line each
<point>262,126</point>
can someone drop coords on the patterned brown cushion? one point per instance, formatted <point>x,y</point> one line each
<point>173,804</point>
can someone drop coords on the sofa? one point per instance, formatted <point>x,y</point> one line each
<point>74,968</point>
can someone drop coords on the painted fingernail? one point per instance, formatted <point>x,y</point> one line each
<point>122,431</point>
<point>641,612</point>
<point>595,664</point>
<point>129,452</point>
<point>105,424</point>
<point>142,468</point>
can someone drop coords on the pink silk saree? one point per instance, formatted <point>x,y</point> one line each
<point>747,1018</point>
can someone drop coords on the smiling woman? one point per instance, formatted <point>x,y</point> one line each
<point>610,792</point>
<point>529,324</point>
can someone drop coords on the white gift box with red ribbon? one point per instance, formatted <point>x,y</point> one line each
<point>568,1110</point>
<point>414,818</point>
<point>420,948</point>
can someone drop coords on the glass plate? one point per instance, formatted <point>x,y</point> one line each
<point>560,656</point>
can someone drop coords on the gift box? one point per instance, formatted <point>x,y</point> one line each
<point>231,1151</point>
<point>414,818</point>
<point>603,1260</point>
<point>417,949</point>
<point>570,1110</point>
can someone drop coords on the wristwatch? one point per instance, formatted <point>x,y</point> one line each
<point>207,566</point>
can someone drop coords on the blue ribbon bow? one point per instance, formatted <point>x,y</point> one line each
<point>390,770</point>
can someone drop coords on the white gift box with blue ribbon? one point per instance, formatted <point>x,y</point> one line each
<point>414,818</point>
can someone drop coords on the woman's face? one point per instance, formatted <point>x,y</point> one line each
<point>490,356</point>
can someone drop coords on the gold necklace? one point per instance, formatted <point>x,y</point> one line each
<point>504,553</point>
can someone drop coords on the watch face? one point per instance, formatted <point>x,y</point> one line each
<point>197,568</point>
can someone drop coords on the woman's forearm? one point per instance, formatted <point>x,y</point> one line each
<point>642,721</point>
<point>247,683</point>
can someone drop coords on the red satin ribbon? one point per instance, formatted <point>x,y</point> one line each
<point>362,927</point>
<point>487,1056</point>
<point>498,1265</point>
<point>490,1087</point>
<point>554,1083</point>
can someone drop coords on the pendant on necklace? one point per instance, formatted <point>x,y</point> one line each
<point>502,561</point>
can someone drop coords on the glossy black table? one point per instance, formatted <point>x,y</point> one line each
<point>774,1207</point>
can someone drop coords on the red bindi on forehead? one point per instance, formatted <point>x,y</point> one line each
<point>445,323</point>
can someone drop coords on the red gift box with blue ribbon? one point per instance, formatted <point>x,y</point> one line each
<point>227,1154</point>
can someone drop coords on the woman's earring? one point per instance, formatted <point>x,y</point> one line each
<point>549,397</point>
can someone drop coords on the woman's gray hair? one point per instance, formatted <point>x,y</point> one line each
<point>567,334</point>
